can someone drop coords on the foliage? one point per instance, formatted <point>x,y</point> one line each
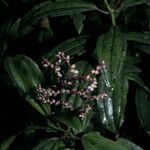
<point>89,32</point>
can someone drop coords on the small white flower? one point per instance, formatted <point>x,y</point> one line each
<point>59,61</point>
<point>57,69</point>
<point>87,77</point>
<point>73,66</point>
<point>59,74</point>
<point>68,57</point>
<point>93,71</point>
<point>96,72</point>
<point>45,65</point>
<point>76,71</point>
<point>98,67</point>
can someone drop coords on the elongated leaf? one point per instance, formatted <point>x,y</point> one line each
<point>47,144</point>
<point>145,49</point>
<point>33,129</point>
<point>54,126</point>
<point>70,120</point>
<point>132,69</point>
<point>36,105</point>
<point>73,46</point>
<point>7,143</point>
<point>55,9</point>
<point>128,144</point>
<point>139,37</point>
<point>138,80</point>
<point>143,108</point>
<point>44,34</point>
<point>78,21</point>
<point>132,60</point>
<point>111,48</point>
<point>24,72</point>
<point>130,3</point>
<point>26,75</point>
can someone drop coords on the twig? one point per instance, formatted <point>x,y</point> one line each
<point>102,11</point>
<point>116,5</point>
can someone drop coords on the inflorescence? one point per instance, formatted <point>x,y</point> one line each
<point>66,84</point>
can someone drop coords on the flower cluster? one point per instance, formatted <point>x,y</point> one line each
<point>66,84</point>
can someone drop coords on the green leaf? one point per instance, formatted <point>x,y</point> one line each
<point>47,144</point>
<point>142,101</point>
<point>128,144</point>
<point>44,34</point>
<point>138,80</point>
<point>111,47</point>
<point>54,126</point>
<point>94,141</point>
<point>24,72</point>
<point>5,2</point>
<point>5,145</point>
<point>145,49</point>
<point>44,109</point>
<point>10,28</point>
<point>26,75</point>
<point>70,119</point>
<point>130,3</point>
<point>78,21</point>
<point>132,69</point>
<point>139,37</point>
<point>73,46</point>
<point>32,129</point>
<point>132,60</point>
<point>13,31</point>
<point>54,9</point>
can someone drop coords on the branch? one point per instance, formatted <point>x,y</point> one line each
<point>102,11</point>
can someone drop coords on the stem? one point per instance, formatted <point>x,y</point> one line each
<point>108,6</point>
<point>113,19</point>
<point>112,13</point>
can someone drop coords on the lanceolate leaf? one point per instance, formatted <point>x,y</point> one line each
<point>145,49</point>
<point>111,48</point>
<point>73,46</point>
<point>44,34</point>
<point>24,72</point>
<point>54,9</point>
<point>139,37</point>
<point>132,60</point>
<point>26,76</point>
<point>142,101</point>
<point>132,69</point>
<point>44,109</point>
<point>138,80</point>
<point>5,145</point>
<point>130,3</point>
<point>70,120</point>
<point>128,144</point>
<point>78,21</point>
